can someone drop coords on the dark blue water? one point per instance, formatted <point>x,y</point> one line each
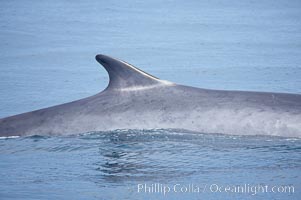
<point>47,51</point>
<point>111,165</point>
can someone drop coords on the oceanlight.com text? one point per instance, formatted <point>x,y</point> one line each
<point>251,189</point>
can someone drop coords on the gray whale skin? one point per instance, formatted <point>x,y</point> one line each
<point>137,100</point>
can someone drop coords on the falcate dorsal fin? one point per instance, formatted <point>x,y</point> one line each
<point>124,76</point>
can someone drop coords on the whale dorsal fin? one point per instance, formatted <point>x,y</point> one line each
<point>124,76</point>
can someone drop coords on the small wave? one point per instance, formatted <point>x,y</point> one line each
<point>177,133</point>
<point>37,137</point>
<point>8,137</point>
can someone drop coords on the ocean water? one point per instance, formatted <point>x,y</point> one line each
<point>47,51</point>
<point>124,164</point>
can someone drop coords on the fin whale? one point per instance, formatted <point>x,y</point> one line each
<point>137,100</point>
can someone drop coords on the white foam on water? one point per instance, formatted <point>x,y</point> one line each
<point>9,137</point>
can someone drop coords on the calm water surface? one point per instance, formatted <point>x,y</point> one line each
<point>111,165</point>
